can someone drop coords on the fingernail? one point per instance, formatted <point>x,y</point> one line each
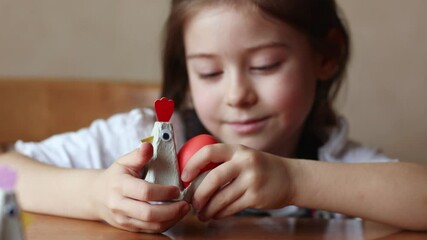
<point>184,177</point>
<point>176,192</point>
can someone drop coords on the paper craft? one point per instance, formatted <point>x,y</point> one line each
<point>10,221</point>
<point>166,165</point>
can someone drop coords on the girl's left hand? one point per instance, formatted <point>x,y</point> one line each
<point>247,178</point>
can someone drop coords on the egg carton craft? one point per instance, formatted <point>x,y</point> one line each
<point>10,216</point>
<point>166,165</point>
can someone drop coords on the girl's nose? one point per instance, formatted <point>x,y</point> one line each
<point>241,94</point>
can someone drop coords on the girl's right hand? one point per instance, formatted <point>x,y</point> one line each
<point>121,196</point>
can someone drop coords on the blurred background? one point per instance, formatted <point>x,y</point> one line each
<point>384,97</point>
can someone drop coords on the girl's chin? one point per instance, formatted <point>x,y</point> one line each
<point>264,143</point>
<point>254,142</point>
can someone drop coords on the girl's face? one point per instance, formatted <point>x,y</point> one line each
<point>252,79</point>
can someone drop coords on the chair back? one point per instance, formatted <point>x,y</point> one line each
<point>34,109</point>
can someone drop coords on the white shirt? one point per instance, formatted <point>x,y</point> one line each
<point>98,145</point>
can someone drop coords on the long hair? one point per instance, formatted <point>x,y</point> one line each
<point>314,18</point>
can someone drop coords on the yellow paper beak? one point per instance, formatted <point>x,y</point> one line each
<point>147,139</point>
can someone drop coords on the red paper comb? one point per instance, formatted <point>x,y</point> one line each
<point>164,108</point>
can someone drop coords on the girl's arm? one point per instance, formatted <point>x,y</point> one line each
<point>391,193</point>
<point>116,195</point>
<point>47,189</point>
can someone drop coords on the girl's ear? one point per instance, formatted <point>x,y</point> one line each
<point>331,54</point>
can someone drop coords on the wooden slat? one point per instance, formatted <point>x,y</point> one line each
<point>33,109</point>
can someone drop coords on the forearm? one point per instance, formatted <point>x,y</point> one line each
<point>391,193</point>
<point>47,189</point>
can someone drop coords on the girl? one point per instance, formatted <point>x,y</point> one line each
<point>260,75</point>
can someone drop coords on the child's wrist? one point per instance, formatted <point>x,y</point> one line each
<point>297,177</point>
<point>94,195</point>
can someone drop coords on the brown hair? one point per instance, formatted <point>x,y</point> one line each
<point>315,18</point>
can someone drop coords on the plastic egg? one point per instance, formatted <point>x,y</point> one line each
<point>190,148</point>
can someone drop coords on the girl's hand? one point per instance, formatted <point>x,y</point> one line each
<point>121,196</point>
<point>247,179</point>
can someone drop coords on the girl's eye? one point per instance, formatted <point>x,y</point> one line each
<point>209,75</point>
<point>266,67</point>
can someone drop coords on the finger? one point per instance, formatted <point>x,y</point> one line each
<point>216,153</point>
<point>141,190</point>
<point>238,205</point>
<point>152,227</point>
<point>153,212</point>
<point>136,159</point>
<point>216,179</point>
<point>136,225</point>
<point>223,198</point>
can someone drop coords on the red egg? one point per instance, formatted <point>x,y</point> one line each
<point>190,148</point>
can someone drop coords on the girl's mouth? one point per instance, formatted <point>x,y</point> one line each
<point>249,126</point>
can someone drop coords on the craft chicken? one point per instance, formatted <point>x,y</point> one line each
<point>163,167</point>
<point>166,164</point>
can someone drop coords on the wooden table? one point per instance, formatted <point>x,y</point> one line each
<point>42,227</point>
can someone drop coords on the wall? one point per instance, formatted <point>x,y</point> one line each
<point>384,98</point>
<point>82,38</point>
<point>387,80</point>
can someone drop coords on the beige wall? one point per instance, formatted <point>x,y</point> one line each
<point>386,100</point>
<point>384,97</point>
<point>82,38</point>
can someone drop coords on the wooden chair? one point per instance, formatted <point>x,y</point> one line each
<point>34,109</point>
